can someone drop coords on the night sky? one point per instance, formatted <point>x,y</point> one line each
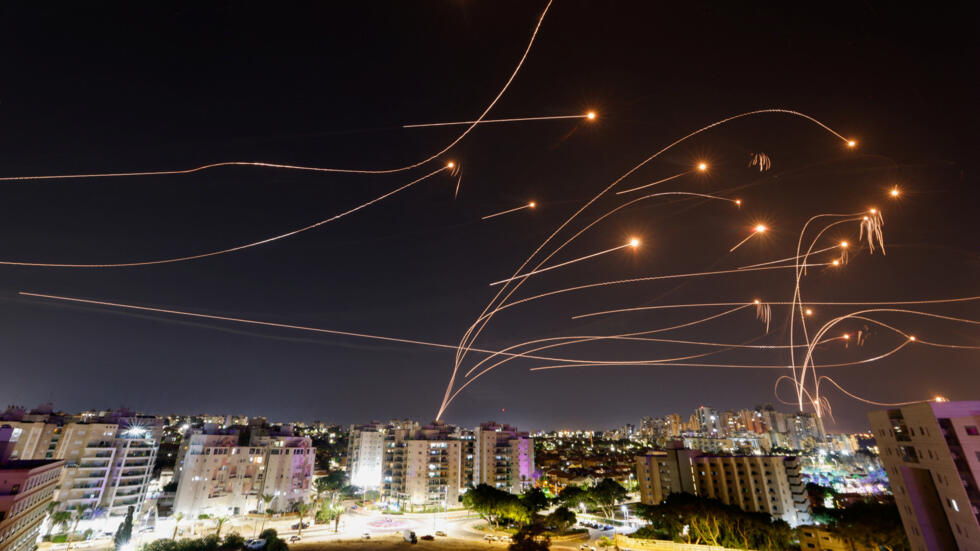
<point>93,87</point>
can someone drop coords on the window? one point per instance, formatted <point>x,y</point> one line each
<point>972,430</point>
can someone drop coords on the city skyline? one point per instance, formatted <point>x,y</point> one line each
<point>419,265</point>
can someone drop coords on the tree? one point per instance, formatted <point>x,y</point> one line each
<point>573,496</point>
<point>79,512</point>
<point>233,541</point>
<point>562,519</point>
<point>530,538</point>
<point>330,484</point>
<point>219,522</point>
<point>125,531</point>
<point>61,519</point>
<point>534,500</point>
<point>49,509</point>
<point>607,494</point>
<point>177,518</point>
<point>301,508</point>
<point>871,524</point>
<point>267,499</point>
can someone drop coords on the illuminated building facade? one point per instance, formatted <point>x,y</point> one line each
<point>931,452</point>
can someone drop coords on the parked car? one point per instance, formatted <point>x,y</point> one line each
<point>427,537</point>
<point>409,536</point>
<point>296,526</point>
<point>587,547</point>
<point>294,539</point>
<point>365,536</point>
<point>440,533</point>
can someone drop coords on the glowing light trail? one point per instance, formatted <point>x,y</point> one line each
<point>634,243</point>
<point>230,249</point>
<point>667,179</point>
<point>755,231</point>
<point>588,116</point>
<point>819,303</point>
<point>472,332</point>
<point>432,157</point>
<point>530,205</point>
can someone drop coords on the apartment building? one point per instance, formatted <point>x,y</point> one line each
<point>108,456</point>
<point>758,484</point>
<point>931,453</point>
<point>227,471</point>
<point>26,488</point>
<point>754,483</point>
<point>365,455</point>
<point>503,457</point>
<point>661,473</point>
<point>423,467</point>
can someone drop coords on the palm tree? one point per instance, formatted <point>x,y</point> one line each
<point>177,518</point>
<point>79,513</point>
<point>267,499</point>
<point>301,508</point>
<point>49,509</point>
<point>61,519</point>
<point>220,521</point>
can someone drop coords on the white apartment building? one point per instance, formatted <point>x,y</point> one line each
<point>759,484</point>
<point>502,457</point>
<point>227,472</point>
<point>931,453</point>
<point>770,484</point>
<point>366,454</point>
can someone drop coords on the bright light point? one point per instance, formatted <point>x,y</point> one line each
<point>865,217</point>
<point>809,312</point>
<point>940,399</point>
<point>894,192</point>
<point>872,211</point>
<point>843,244</point>
<point>634,242</point>
<point>451,164</point>
<point>756,301</point>
<point>738,202</point>
<point>760,228</point>
<point>702,166</point>
<point>836,263</point>
<point>532,204</point>
<point>846,336</point>
<point>851,143</point>
<point>590,115</point>
<point>912,338</point>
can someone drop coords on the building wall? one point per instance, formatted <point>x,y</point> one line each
<point>26,488</point>
<point>762,484</point>
<point>931,453</point>
<point>366,457</point>
<point>221,477</point>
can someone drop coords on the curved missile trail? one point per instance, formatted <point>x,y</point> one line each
<point>669,178</point>
<point>432,157</point>
<point>470,336</point>
<point>230,249</point>
<point>474,330</point>
<point>268,324</point>
<point>530,205</point>
<point>590,116</point>
<point>633,243</point>
<point>819,303</point>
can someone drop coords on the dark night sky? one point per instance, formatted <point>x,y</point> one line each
<point>91,87</point>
